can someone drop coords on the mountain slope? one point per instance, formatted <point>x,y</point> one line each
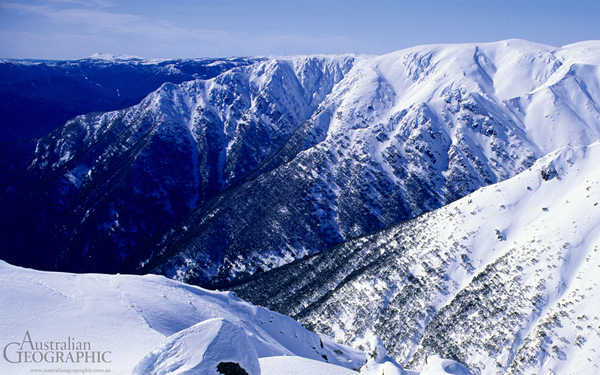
<point>404,133</point>
<point>213,180</point>
<point>118,180</point>
<point>38,96</point>
<point>504,279</point>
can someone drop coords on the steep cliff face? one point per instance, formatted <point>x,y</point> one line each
<point>213,180</point>
<point>504,279</point>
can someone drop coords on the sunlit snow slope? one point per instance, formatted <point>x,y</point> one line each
<point>167,326</point>
<point>505,280</point>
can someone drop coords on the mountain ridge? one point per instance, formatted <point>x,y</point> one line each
<point>385,138</point>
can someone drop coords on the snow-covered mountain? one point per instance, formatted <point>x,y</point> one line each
<point>112,183</point>
<point>504,280</point>
<point>126,324</point>
<point>212,180</point>
<point>37,96</point>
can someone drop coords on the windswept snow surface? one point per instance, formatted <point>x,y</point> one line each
<point>438,366</point>
<point>505,280</point>
<point>300,366</point>
<point>200,349</point>
<point>167,326</point>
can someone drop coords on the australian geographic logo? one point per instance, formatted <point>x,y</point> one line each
<point>64,351</point>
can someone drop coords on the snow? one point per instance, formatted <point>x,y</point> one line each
<point>486,111</point>
<point>435,365</point>
<point>165,325</point>
<point>150,325</point>
<point>379,363</point>
<point>515,261</point>
<point>200,349</point>
<point>283,365</point>
<point>286,365</point>
<point>438,366</point>
<point>446,119</point>
<point>500,71</point>
<point>383,368</point>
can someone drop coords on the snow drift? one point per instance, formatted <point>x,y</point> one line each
<point>169,326</point>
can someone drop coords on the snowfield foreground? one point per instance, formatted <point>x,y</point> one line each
<point>132,316</point>
<point>150,325</point>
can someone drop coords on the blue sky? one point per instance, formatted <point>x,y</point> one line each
<point>194,28</point>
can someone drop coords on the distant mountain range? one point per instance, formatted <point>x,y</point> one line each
<point>37,96</point>
<point>212,180</point>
